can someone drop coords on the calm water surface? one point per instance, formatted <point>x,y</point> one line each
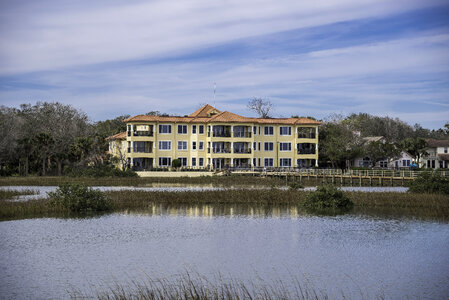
<point>355,253</point>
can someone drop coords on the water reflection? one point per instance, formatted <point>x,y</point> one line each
<point>283,211</point>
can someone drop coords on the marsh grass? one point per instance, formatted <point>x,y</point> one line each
<point>10,194</point>
<point>235,180</point>
<point>194,286</point>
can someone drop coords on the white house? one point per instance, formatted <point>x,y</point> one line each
<point>438,156</point>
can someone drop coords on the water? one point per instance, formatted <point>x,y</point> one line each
<point>357,253</point>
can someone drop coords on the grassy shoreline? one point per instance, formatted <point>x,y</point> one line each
<point>431,204</point>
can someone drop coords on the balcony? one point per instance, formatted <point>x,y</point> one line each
<point>242,134</point>
<point>142,150</point>
<point>306,151</point>
<point>221,134</point>
<point>221,131</point>
<point>143,133</point>
<point>243,151</point>
<point>306,133</point>
<point>221,150</point>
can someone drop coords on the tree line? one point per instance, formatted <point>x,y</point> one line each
<point>54,139</point>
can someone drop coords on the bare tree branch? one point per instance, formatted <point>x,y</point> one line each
<point>263,107</point>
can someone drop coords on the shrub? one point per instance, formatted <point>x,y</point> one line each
<point>176,163</point>
<point>295,185</point>
<point>79,198</point>
<point>327,197</point>
<point>431,183</point>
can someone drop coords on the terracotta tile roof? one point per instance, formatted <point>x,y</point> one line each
<point>204,111</point>
<point>118,136</point>
<point>202,116</point>
<point>443,156</point>
<point>437,143</point>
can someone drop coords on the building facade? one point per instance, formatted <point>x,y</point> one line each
<point>437,155</point>
<point>209,138</point>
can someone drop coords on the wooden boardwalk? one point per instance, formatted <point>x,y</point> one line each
<point>337,176</point>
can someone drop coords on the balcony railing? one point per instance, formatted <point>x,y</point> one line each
<point>306,135</point>
<point>222,134</point>
<point>143,133</point>
<point>242,134</point>
<point>221,150</point>
<point>143,150</point>
<point>242,150</point>
<point>306,151</point>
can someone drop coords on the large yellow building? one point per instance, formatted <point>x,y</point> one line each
<point>209,138</point>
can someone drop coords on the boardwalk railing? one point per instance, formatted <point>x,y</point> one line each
<point>338,172</point>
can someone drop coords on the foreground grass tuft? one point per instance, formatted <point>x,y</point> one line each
<point>78,198</point>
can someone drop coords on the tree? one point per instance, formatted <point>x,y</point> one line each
<point>338,144</point>
<point>44,143</point>
<point>415,146</point>
<point>262,107</point>
<point>378,150</point>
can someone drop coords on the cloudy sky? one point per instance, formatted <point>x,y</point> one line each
<point>110,57</point>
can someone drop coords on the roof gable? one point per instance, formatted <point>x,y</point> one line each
<point>204,112</point>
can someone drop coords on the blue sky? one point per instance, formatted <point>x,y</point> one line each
<point>308,57</point>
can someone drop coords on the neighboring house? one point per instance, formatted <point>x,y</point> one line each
<point>437,154</point>
<point>404,160</point>
<point>209,138</point>
<point>118,148</point>
<point>365,162</point>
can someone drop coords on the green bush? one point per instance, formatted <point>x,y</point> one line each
<point>176,163</point>
<point>431,183</point>
<point>295,185</point>
<point>79,198</point>
<point>327,197</point>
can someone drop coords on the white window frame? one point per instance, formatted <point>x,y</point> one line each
<point>201,162</point>
<point>265,146</point>
<point>285,158</point>
<point>168,143</point>
<point>193,161</point>
<point>169,161</point>
<point>280,148</point>
<point>185,143</point>
<point>289,130</point>
<point>201,145</point>
<point>168,126</point>
<point>200,129</point>
<point>193,145</point>
<point>265,161</point>
<point>183,126</point>
<point>193,129</point>
<point>265,130</point>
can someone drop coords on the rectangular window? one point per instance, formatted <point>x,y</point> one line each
<point>404,162</point>
<point>183,161</point>
<point>164,129</point>
<point>268,162</point>
<point>259,146</point>
<point>182,129</point>
<point>193,129</point>
<point>193,145</point>
<point>259,130</point>
<point>285,130</point>
<point>408,162</point>
<point>182,145</point>
<point>255,146</point>
<point>285,162</point>
<point>138,146</point>
<point>445,149</point>
<point>254,162</point>
<point>201,146</point>
<point>201,129</point>
<point>268,146</point>
<point>268,130</point>
<point>258,162</point>
<point>201,161</point>
<point>164,161</point>
<point>255,130</point>
<point>193,161</point>
<point>164,145</point>
<point>285,146</point>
